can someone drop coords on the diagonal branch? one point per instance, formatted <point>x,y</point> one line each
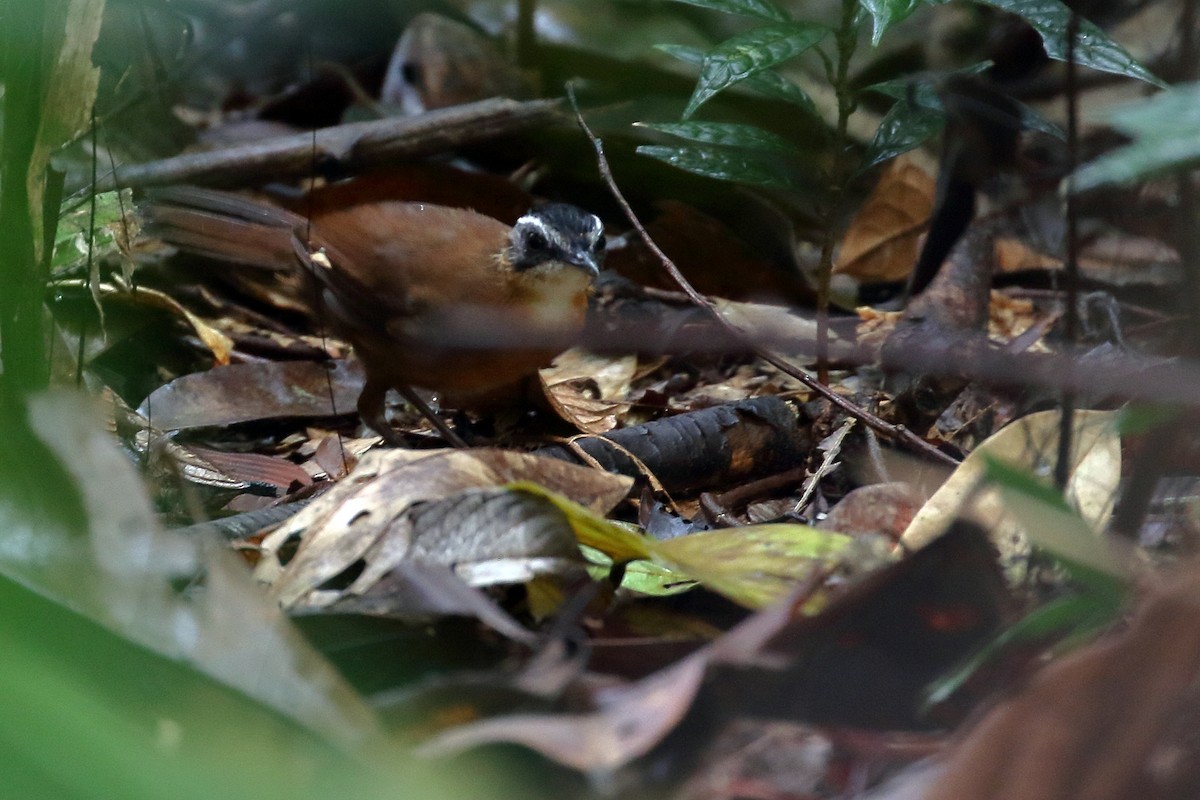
<point>898,432</point>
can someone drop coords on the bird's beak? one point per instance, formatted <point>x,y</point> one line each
<point>587,262</point>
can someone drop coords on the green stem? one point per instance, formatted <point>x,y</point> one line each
<point>21,281</point>
<point>846,40</point>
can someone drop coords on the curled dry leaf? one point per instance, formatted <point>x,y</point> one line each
<point>217,342</point>
<point>586,389</point>
<point>627,721</point>
<point>440,62</point>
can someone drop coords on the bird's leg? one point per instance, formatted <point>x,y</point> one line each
<point>447,432</point>
<point>371,409</point>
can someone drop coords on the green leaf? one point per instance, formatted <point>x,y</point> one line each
<point>905,127</point>
<point>767,83</point>
<point>762,9</point>
<point>1166,133</point>
<point>886,13</point>
<point>1051,19</point>
<point>113,223</point>
<point>918,116</point>
<point>754,565</point>
<point>1134,420</point>
<point>726,134</point>
<point>1031,120</point>
<point>646,577</point>
<point>923,91</point>
<point>88,713</point>
<point>749,54</point>
<point>1052,525</point>
<point>723,165</point>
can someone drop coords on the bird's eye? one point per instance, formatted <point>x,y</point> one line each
<point>600,243</point>
<point>535,240</point>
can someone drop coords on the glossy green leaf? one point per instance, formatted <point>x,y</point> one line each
<point>767,83</point>
<point>905,127</point>
<point>1094,48</point>
<point>1166,136</point>
<point>762,9</point>
<point>749,54</point>
<point>726,134</point>
<point>886,13</point>
<point>923,91</point>
<point>917,116</point>
<point>723,165</point>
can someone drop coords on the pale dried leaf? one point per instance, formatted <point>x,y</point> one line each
<point>1029,444</point>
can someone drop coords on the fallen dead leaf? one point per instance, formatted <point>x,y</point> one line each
<point>881,242</point>
<point>1029,444</point>
<point>369,515</point>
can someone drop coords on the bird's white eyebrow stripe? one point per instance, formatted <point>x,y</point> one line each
<point>551,234</point>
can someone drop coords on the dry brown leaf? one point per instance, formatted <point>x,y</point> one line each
<point>587,389</point>
<point>881,243</point>
<point>1116,259</point>
<point>1008,318</point>
<point>242,392</point>
<point>366,516</point>
<point>1097,723</point>
<point>629,720</point>
<point>1013,255</point>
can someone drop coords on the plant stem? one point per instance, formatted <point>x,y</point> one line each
<point>22,356</point>
<point>846,40</point>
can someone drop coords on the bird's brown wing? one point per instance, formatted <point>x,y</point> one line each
<point>415,261</point>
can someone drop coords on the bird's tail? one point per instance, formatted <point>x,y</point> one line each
<point>224,226</point>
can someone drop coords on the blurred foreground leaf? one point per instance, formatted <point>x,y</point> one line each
<point>1166,136</point>
<point>1094,49</point>
<point>185,599</point>
<point>85,713</point>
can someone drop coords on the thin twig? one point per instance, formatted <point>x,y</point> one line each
<point>1062,466</point>
<point>895,431</point>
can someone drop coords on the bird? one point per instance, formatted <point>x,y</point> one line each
<point>428,295</point>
